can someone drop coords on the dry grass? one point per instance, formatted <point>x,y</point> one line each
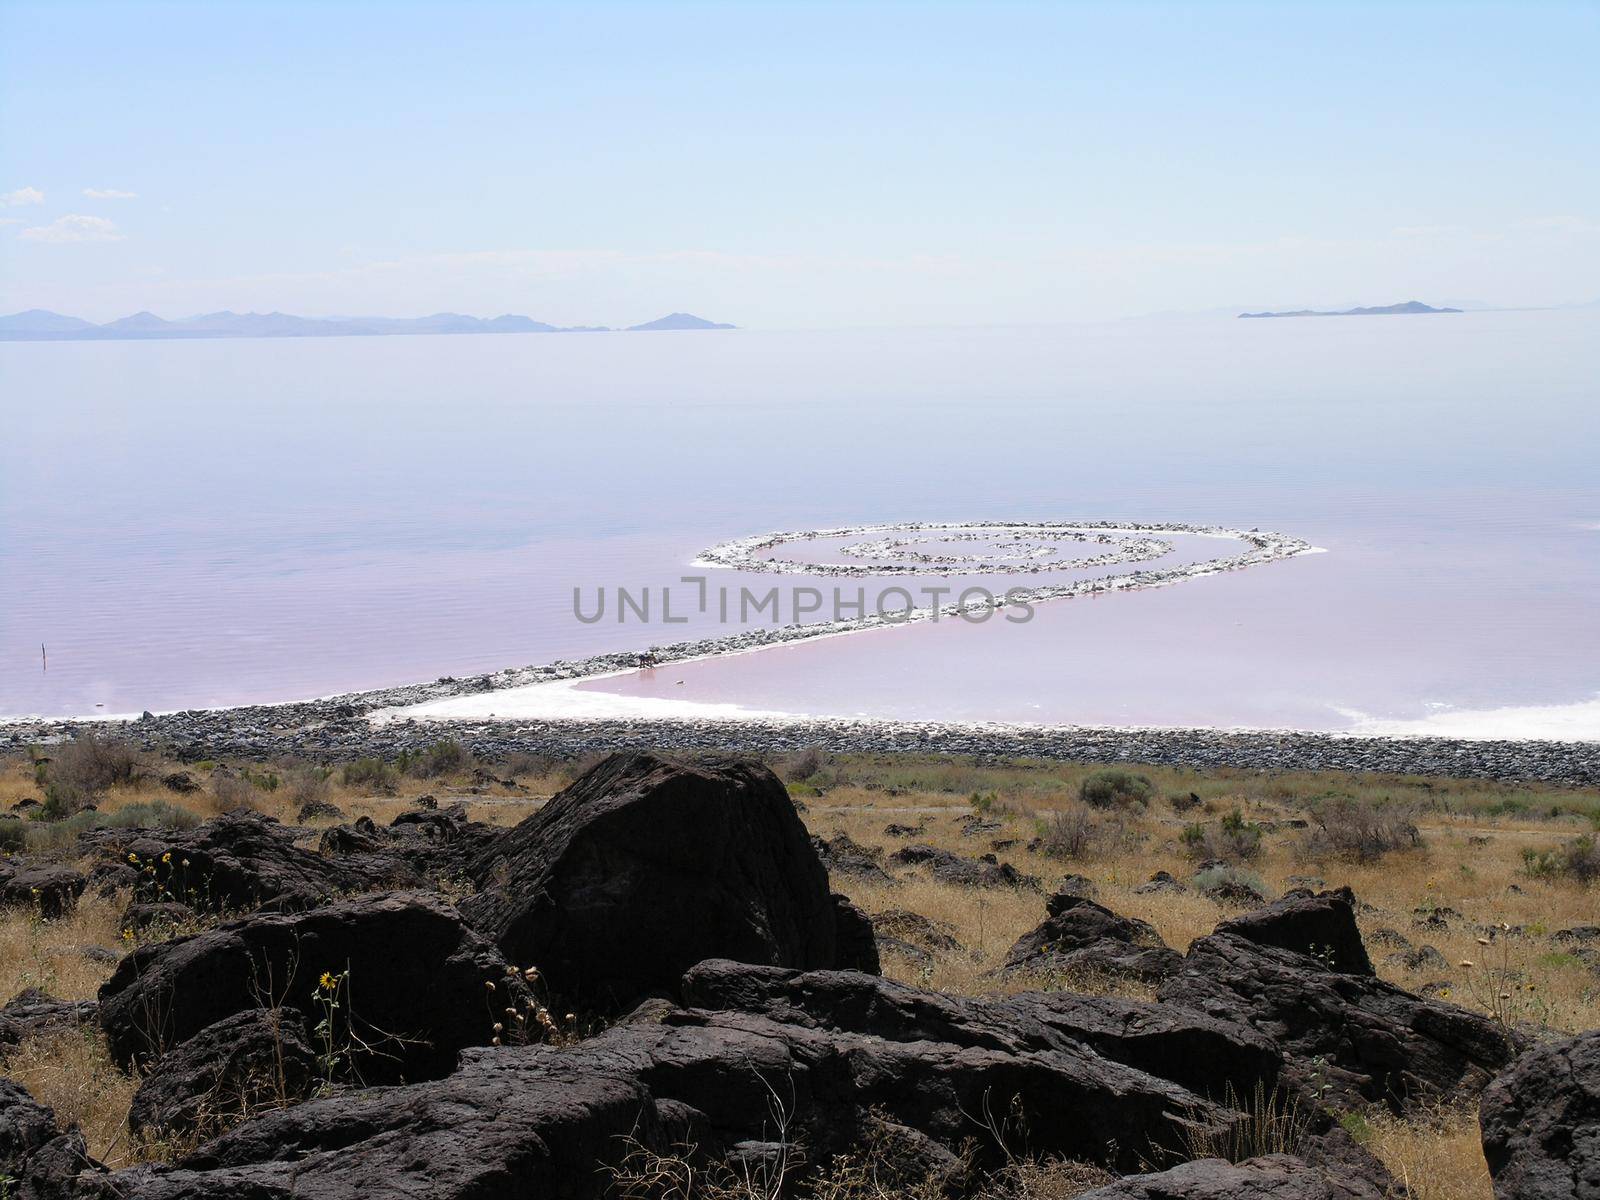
<point>71,1071</point>
<point>49,954</point>
<point>1437,1156</point>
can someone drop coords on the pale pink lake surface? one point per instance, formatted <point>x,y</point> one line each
<point>203,523</point>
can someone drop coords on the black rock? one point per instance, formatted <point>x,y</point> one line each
<point>415,991</point>
<point>645,866</point>
<point>52,891</point>
<point>31,1012</point>
<point>1541,1123</point>
<point>1082,937</point>
<point>248,1063</point>
<point>1346,1035</point>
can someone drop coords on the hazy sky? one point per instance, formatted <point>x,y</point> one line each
<point>795,165</point>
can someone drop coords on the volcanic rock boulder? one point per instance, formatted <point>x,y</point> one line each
<point>855,943</point>
<point>430,843</point>
<point>1274,1177</point>
<point>1345,1033</point>
<point>1322,926</point>
<point>983,872</point>
<point>742,1089</point>
<point>31,1012</point>
<point>37,1160</point>
<point>411,981</point>
<point>242,861</point>
<point>843,855</point>
<point>250,1062</point>
<point>50,890</point>
<point>1541,1123</point>
<point>647,865</point>
<point>1206,1055</point>
<point>1080,936</point>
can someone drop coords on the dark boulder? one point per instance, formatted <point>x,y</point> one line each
<point>1541,1123</point>
<point>181,782</point>
<point>948,867</point>
<point>38,1160</point>
<point>1161,883</point>
<point>743,1091</point>
<point>32,1012</point>
<point>52,891</point>
<point>843,855</point>
<point>1082,937</point>
<point>645,866</point>
<point>855,943</point>
<point>1206,1055</point>
<point>414,991</point>
<point>1345,1034</point>
<point>1322,926</point>
<point>251,1062</point>
<point>319,810</point>
<point>238,862</point>
<point>435,845</point>
<point>1274,1177</point>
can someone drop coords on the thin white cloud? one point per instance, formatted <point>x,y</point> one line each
<point>74,227</point>
<point>22,195</point>
<point>12,221</point>
<point>109,194</point>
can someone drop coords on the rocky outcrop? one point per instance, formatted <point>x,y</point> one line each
<point>986,871</point>
<point>413,983</point>
<point>1274,1177</point>
<point>647,865</point>
<point>1346,1034</point>
<point>38,1160</point>
<point>32,1012</point>
<point>251,1062</point>
<point>239,862</point>
<point>1204,1054</point>
<point>1541,1123</point>
<point>855,943</point>
<point>1081,937</point>
<point>741,1088</point>
<point>50,890</point>
<point>1322,926</point>
<point>843,855</point>
<point>432,844</point>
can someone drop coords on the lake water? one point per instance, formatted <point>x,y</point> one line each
<point>188,524</point>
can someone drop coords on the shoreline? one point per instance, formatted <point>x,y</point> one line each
<point>340,728</point>
<point>375,722</point>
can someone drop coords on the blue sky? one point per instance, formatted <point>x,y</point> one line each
<point>795,165</point>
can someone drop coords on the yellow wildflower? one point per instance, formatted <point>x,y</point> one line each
<point>328,982</point>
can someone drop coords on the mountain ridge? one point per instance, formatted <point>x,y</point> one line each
<point>41,325</point>
<point>1407,308</point>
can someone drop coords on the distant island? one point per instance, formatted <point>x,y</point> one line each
<point>38,325</point>
<point>1388,310</point>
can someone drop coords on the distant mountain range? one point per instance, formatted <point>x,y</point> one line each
<point>37,325</point>
<point>1388,310</point>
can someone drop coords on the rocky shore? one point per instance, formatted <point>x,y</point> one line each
<point>345,727</point>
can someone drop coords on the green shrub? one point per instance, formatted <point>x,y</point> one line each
<point>1234,839</point>
<point>13,835</point>
<point>444,757</point>
<point>1577,860</point>
<point>83,769</point>
<point>368,772</point>
<point>1115,789</point>
<point>1358,830</point>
